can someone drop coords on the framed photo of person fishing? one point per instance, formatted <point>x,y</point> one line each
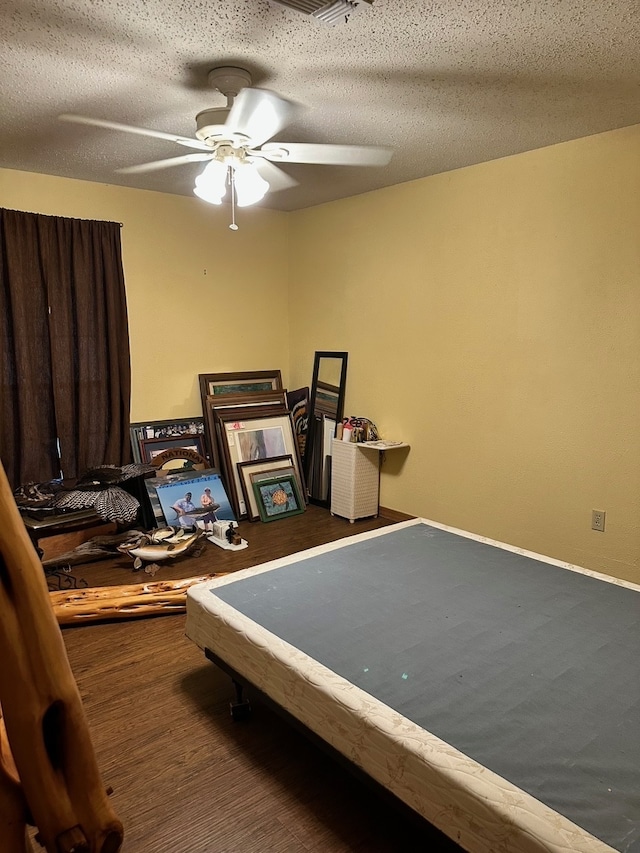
<point>189,499</point>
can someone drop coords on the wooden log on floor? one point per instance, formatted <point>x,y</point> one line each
<point>43,714</point>
<point>98,604</point>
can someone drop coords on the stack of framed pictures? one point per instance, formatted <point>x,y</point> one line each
<point>247,421</point>
<point>215,406</point>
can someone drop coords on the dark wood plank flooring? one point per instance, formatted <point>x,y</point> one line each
<point>186,777</point>
<point>266,542</point>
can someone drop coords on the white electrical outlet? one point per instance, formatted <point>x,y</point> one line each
<point>597,519</point>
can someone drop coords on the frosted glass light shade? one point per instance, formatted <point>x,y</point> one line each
<point>211,184</point>
<point>249,183</point>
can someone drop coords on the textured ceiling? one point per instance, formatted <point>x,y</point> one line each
<point>445,83</point>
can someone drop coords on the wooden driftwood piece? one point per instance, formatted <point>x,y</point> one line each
<point>43,714</point>
<point>122,602</point>
<point>14,811</point>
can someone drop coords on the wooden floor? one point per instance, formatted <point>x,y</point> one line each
<point>186,777</point>
<point>266,542</point>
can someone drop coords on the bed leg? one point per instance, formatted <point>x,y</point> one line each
<point>241,708</point>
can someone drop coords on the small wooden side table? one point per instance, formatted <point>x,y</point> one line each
<point>56,534</point>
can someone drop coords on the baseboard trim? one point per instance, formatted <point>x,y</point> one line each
<point>393,514</point>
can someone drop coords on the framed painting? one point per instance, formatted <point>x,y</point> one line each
<point>247,382</point>
<point>231,403</point>
<point>278,497</point>
<point>262,469</point>
<point>259,436</point>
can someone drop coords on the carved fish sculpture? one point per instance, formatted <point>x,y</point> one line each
<point>153,552</point>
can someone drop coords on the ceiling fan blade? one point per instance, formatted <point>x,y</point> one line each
<point>164,164</point>
<point>259,114</point>
<point>333,155</point>
<point>275,177</point>
<point>142,131</point>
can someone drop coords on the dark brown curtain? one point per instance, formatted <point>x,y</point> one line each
<point>65,347</point>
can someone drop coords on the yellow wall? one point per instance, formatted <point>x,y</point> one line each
<point>491,315</point>
<point>492,320</point>
<point>201,298</point>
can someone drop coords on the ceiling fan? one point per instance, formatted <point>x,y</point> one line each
<point>233,141</point>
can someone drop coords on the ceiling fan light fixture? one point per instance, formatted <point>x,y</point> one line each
<point>249,184</point>
<point>211,184</point>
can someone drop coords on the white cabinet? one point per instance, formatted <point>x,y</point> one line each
<point>355,480</point>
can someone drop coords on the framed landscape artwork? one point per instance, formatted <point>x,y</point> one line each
<point>247,382</point>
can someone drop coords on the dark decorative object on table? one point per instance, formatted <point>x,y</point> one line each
<point>231,535</point>
<point>98,489</point>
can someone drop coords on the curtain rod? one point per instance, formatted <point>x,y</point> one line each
<point>56,216</point>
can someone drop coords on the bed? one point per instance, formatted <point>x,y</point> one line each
<point>493,691</point>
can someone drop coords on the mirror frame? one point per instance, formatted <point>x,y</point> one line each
<point>312,436</point>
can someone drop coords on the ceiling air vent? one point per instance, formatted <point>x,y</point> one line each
<point>329,13</point>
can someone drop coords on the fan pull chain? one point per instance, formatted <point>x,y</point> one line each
<point>232,183</point>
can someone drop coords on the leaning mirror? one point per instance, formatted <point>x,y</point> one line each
<point>326,408</point>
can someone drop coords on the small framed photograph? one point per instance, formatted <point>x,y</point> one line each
<point>247,382</point>
<point>278,497</point>
<point>163,429</point>
<point>263,469</point>
<point>189,499</point>
<point>151,447</point>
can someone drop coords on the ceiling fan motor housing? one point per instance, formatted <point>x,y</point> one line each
<point>210,124</point>
<point>229,79</point>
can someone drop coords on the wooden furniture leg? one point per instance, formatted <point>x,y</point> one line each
<point>43,714</point>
